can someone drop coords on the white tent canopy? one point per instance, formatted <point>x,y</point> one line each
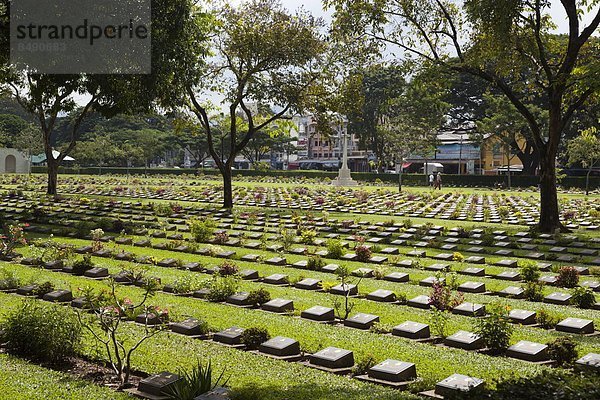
<point>433,167</point>
<point>56,154</point>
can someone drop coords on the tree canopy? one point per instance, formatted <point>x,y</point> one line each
<point>496,41</point>
<point>261,54</point>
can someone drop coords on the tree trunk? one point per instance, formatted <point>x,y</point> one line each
<point>549,215</point>
<point>52,176</point>
<point>529,159</point>
<point>227,189</point>
<point>587,181</point>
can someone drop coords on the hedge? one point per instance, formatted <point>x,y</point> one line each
<point>518,181</point>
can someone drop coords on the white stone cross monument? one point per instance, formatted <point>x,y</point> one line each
<point>344,178</point>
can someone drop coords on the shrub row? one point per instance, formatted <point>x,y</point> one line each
<point>520,181</point>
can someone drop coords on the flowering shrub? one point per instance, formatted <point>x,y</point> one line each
<point>221,237</point>
<point>546,319</point>
<point>347,223</point>
<point>109,311</point>
<point>458,257</point>
<point>361,196</point>
<point>442,299</point>
<point>228,268</point>
<point>568,277</point>
<point>307,236</point>
<point>363,253</point>
<point>259,197</point>
<point>12,238</point>
<point>96,235</point>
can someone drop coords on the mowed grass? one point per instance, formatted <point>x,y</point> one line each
<point>257,377</point>
<point>269,379</point>
<point>22,380</point>
<point>251,376</point>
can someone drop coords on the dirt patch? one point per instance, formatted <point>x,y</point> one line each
<point>97,373</point>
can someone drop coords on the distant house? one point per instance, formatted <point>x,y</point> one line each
<point>456,152</point>
<point>13,161</point>
<point>40,159</point>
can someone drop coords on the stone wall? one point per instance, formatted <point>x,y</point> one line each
<point>13,161</point>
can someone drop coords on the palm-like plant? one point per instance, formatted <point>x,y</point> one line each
<point>194,383</point>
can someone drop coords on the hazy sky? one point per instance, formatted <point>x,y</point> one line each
<point>315,7</point>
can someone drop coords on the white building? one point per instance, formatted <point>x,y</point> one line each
<point>13,161</point>
<point>312,145</point>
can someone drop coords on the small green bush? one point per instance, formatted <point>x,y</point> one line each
<point>583,297</point>
<point>495,329</point>
<point>546,319</point>
<point>254,337</point>
<point>307,236</point>
<point>202,229</point>
<point>82,265</point>
<point>43,332</point>
<point>334,248</point>
<point>222,287</point>
<point>43,289</point>
<point>530,271</point>
<point>439,322</point>
<point>563,350</point>
<point>549,384</point>
<point>363,365</point>
<point>8,280</point>
<point>534,291</point>
<point>185,284</point>
<point>259,296</point>
<point>288,237</point>
<point>381,328</point>
<point>315,263</point>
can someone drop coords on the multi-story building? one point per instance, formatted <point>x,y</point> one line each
<point>314,145</point>
<point>457,153</point>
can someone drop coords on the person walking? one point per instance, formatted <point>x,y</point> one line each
<point>431,180</point>
<point>438,180</point>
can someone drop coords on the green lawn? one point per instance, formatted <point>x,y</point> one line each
<point>256,377</point>
<point>22,380</point>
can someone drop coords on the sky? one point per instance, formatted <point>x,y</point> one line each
<point>315,7</point>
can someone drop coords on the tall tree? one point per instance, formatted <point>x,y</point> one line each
<point>468,108</point>
<point>585,149</point>
<point>503,124</point>
<point>47,96</point>
<point>368,105</point>
<point>495,40</point>
<point>263,55</point>
<point>414,118</point>
<point>190,136</point>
